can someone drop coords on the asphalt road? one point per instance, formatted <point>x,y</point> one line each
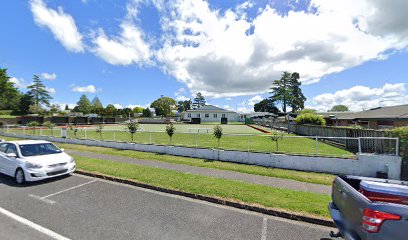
<point>80,207</point>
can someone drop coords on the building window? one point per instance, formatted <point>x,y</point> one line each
<point>223,115</point>
<point>189,115</point>
<point>198,115</point>
<point>215,115</point>
<point>207,115</point>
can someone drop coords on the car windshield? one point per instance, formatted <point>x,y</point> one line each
<point>30,150</point>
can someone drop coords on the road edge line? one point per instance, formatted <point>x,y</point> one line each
<point>266,211</point>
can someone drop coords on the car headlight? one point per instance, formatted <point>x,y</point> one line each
<point>32,165</point>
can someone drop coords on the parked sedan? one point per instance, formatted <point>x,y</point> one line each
<point>34,160</point>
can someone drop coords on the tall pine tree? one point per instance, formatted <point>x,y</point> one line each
<point>84,105</point>
<point>199,101</point>
<point>39,93</point>
<point>9,95</point>
<point>287,92</point>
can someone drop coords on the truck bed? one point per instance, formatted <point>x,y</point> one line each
<point>349,206</point>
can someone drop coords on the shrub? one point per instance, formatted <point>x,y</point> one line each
<point>33,124</point>
<point>310,118</point>
<point>50,126</point>
<point>218,133</point>
<point>170,129</point>
<point>74,129</point>
<point>132,126</point>
<point>402,134</point>
<point>275,137</point>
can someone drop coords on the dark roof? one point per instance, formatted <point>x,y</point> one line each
<point>395,112</point>
<point>209,108</point>
<point>334,115</point>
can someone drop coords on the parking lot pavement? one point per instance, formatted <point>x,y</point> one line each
<point>80,207</point>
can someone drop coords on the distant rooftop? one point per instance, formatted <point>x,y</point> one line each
<point>209,108</point>
<point>393,112</point>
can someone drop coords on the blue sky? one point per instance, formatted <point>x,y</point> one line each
<point>132,52</point>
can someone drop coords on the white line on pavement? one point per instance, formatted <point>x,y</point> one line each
<point>68,189</point>
<point>33,225</point>
<point>264,228</point>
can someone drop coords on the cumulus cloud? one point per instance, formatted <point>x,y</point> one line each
<point>19,82</point>
<point>256,99</point>
<point>85,89</point>
<point>61,24</point>
<point>118,106</point>
<point>360,98</point>
<point>226,53</point>
<point>179,94</point>
<point>51,90</point>
<point>48,76</point>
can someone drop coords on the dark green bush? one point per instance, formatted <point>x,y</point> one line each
<point>310,118</point>
<point>402,134</point>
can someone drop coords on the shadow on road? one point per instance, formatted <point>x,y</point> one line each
<point>9,181</point>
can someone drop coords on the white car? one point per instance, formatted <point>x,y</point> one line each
<point>33,160</point>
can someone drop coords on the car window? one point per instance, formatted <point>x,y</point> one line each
<point>11,149</point>
<point>3,147</point>
<point>30,150</point>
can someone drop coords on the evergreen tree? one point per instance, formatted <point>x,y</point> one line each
<point>66,107</point>
<point>9,94</point>
<point>84,105</point>
<point>97,106</point>
<point>110,110</point>
<point>266,105</point>
<point>39,93</point>
<point>199,100</point>
<point>147,113</point>
<point>287,92</point>
<point>24,105</point>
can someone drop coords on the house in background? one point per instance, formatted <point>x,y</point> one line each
<point>209,113</point>
<point>376,118</point>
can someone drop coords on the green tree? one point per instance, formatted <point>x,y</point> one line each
<point>66,107</point>
<point>24,104</point>
<point>184,105</point>
<point>9,94</point>
<point>147,113</point>
<point>36,109</point>
<point>137,110</point>
<point>287,92</point>
<point>307,110</point>
<point>55,108</point>
<point>217,132</point>
<point>170,129</point>
<point>84,105</point>
<point>50,126</point>
<point>199,100</point>
<point>266,105</point>
<point>97,106</point>
<point>275,137</point>
<point>39,92</point>
<point>132,126</point>
<point>164,106</point>
<point>110,110</point>
<point>339,108</point>
<point>126,112</point>
<point>33,125</point>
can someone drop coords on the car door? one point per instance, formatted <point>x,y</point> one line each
<point>3,157</point>
<point>10,165</point>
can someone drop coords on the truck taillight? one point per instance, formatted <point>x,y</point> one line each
<point>373,219</point>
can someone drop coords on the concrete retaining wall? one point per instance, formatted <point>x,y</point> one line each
<point>365,164</point>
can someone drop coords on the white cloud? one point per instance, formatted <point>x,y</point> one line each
<point>51,90</point>
<point>256,99</point>
<point>118,106</point>
<point>359,98</point>
<point>201,43</point>
<point>48,76</point>
<point>137,105</point>
<point>19,82</point>
<point>85,89</point>
<point>228,99</point>
<point>62,25</point>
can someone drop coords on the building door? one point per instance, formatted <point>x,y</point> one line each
<point>224,120</point>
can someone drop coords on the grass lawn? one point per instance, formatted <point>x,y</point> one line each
<point>282,199</point>
<point>309,177</point>
<point>7,116</point>
<point>258,142</point>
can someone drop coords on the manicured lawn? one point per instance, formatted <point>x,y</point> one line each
<point>241,141</point>
<point>282,199</point>
<point>310,177</point>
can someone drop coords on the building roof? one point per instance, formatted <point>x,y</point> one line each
<point>208,108</point>
<point>334,114</point>
<point>399,112</point>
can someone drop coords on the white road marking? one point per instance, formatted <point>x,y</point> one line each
<point>33,225</point>
<point>68,189</point>
<point>39,198</point>
<point>264,228</point>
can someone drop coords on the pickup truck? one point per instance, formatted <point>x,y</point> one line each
<point>359,218</point>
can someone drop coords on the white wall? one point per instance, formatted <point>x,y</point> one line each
<point>232,117</point>
<point>365,165</point>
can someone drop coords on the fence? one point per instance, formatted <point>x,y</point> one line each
<point>369,140</point>
<point>288,144</point>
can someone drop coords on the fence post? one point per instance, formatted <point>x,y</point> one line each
<point>195,139</point>
<point>150,137</point>
<point>114,135</point>
<point>7,128</point>
<point>41,131</point>
<point>359,145</point>
<point>85,133</point>
<point>317,147</point>
<point>397,147</point>
<point>248,141</point>
<point>24,130</point>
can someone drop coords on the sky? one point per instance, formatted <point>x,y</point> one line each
<point>130,52</point>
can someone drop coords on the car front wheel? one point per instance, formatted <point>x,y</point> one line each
<point>19,176</point>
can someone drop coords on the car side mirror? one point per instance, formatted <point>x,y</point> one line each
<point>62,149</point>
<point>11,155</point>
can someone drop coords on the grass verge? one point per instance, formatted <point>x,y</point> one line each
<point>304,203</point>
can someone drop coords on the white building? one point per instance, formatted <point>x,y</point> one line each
<point>210,113</point>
